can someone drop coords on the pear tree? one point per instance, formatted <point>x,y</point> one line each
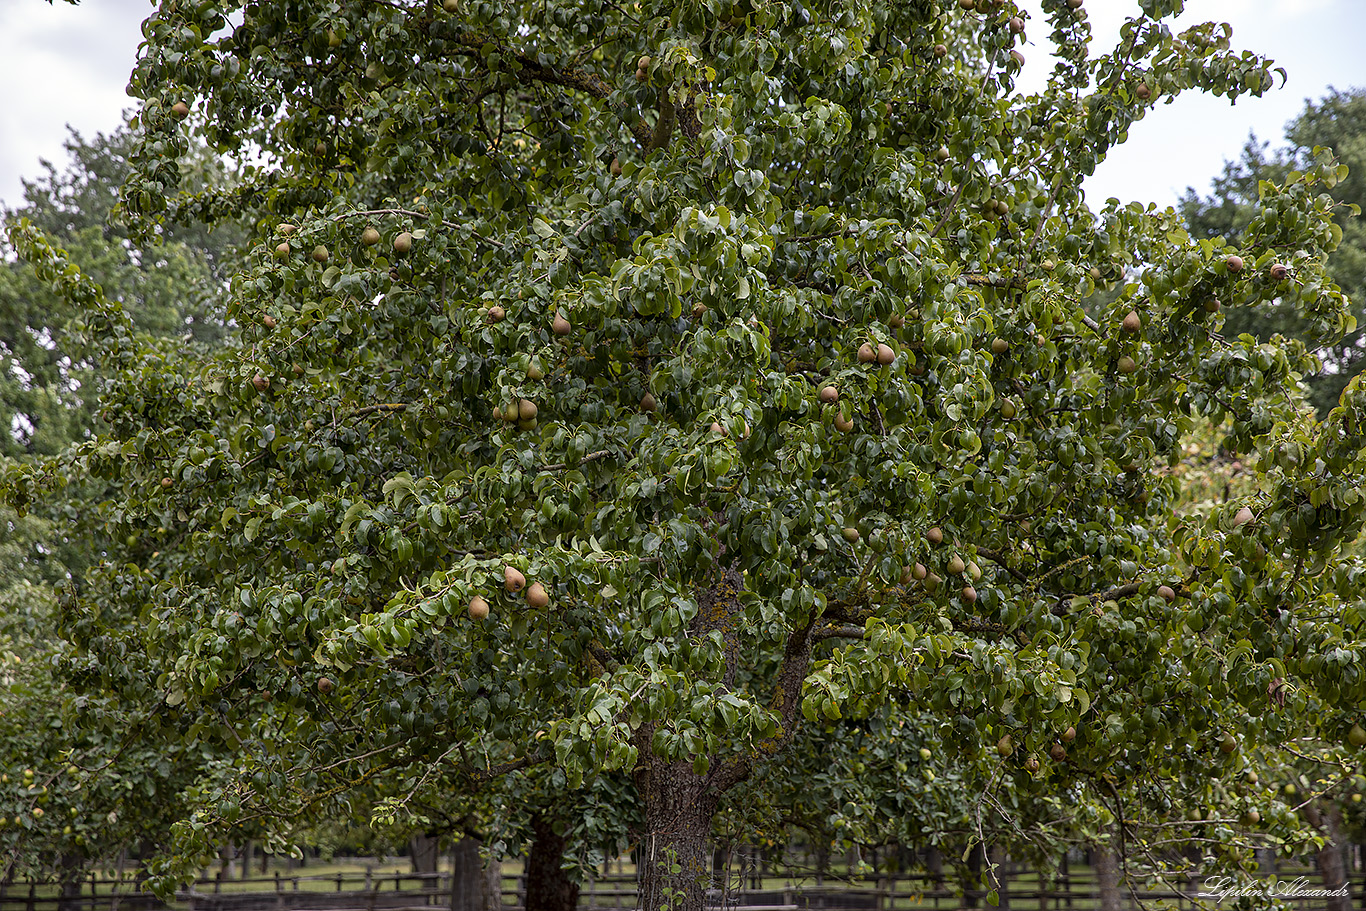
<point>643,387</point>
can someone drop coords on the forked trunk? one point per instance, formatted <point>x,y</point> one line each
<point>675,868</point>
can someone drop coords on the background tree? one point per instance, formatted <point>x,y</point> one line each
<point>643,389</point>
<point>105,773</point>
<point>1337,122</point>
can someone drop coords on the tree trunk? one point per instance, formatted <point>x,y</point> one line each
<point>548,886</point>
<point>72,869</point>
<point>1106,863</point>
<point>1332,869</point>
<point>474,885</point>
<point>423,850</point>
<point>972,884</point>
<point>674,873</point>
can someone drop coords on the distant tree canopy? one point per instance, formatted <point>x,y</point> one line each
<point>172,286</point>
<point>1337,122</point>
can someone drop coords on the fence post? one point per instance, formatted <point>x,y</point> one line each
<point>279,893</point>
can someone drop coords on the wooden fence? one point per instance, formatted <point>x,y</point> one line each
<point>1071,889</point>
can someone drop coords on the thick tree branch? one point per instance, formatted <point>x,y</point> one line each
<point>839,632</point>
<point>591,84</point>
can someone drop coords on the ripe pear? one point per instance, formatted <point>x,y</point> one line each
<point>403,243</point>
<point>1357,736</point>
<point>526,410</point>
<point>534,371</point>
<point>261,383</point>
<point>999,346</point>
<point>1143,92</point>
<point>1279,272</point>
<point>1211,304</point>
<point>1032,764</point>
<point>513,580</point>
<point>1126,364</point>
<point>956,565</point>
<point>885,355</point>
<point>1069,735</point>
<point>1243,517</point>
<point>843,424</point>
<point>1132,322</point>
<point>969,594</point>
<point>935,535</point>
<point>536,595</point>
<point>717,429</point>
<point>1017,25</point>
<point>1058,752</point>
<point>269,321</point>
<point>919,572</point>
<point>282,249</point>
<point>615,167</point>
<point>496,314</point>
<point>851,535</point>
<point>1005,746</point>
<point>370,236</point>
<point>560,325</point>
<point>866,354</point>
<point>1166,593</point>
<point>1234,263</point>
<point>829,394</point>
<point>648,403</point>
<point>180,109</point>
<point>325,685</point>
<point>320,254</point>
<point>974,571</point>
<point>478,608</point>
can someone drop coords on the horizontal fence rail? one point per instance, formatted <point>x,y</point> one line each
<point>752,889</point>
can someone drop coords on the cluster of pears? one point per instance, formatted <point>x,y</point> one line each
<point>1058,752</point>
<point>521,412</point>
<point>968,570</point>
<point>830,395</point>
<point>514,580</point>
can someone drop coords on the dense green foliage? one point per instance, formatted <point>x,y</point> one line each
<point>540,319</point>
<point>1338,122</point>
<point>62,796</point>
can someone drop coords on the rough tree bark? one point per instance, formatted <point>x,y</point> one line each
<point>548,886</point>
<point>1327,818</point>
<point>72,868</point>
<point>679,806</point>
<point>675,870</point>
<point>423,851</point>
<point>474,885</point>
<point>1106,862</point>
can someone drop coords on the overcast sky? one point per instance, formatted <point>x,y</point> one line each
<point>70,65</point>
